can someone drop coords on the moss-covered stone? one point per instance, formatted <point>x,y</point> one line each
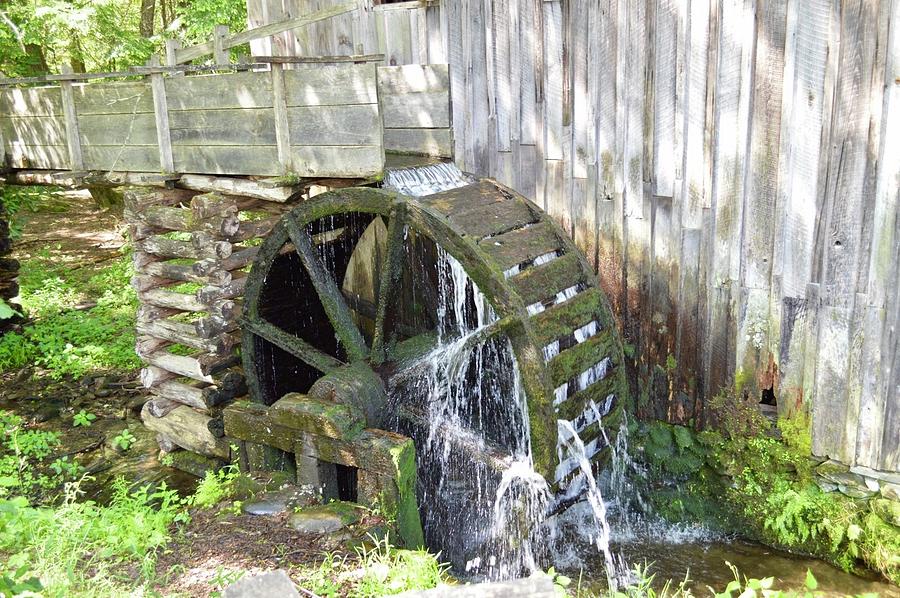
<point>327,518</point>
<point>887,510</point>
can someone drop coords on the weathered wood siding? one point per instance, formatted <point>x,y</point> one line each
<point>730,166</point>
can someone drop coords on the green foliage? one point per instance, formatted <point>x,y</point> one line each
<point>764,488</point>
<point>75,547</point>
<point>16,583</point>
<point>378,570</point>
<point>83,418</point>
<point>19,199</point>
<point>124,440</point>
<point>795,431</point>
<point>215,487</point>
<point>7,311</point>
<point>24,456</point>
<point>69,341</point>
<point>102,35</point>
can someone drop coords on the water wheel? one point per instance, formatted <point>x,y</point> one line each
<point>354,283</point>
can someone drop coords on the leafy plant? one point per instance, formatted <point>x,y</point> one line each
<point>23,454</point>
<point>124,440</point>
<point>215,487</point>
<point>83,418</point>
<point>18,582</point>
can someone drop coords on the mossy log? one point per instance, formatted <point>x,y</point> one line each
<point>188,429</point>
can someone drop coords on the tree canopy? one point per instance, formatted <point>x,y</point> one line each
<point>39,36</point>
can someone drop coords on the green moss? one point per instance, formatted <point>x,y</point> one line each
<point>407,512</point>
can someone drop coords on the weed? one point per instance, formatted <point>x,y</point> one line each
<point>83,418</point>
<point>124,440</point>
<point>215,487</point>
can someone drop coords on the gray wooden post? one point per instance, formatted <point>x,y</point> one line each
<point>161,112</point>
<point>282,131</point>
<point>73,140</point>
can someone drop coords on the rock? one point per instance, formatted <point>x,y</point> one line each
<point>325,519</point>
<point>826,486</point>
<point>890,491</point>
<point>48,410</point>
<point>855,491</point>
<point>888,510</point>
<point>872,484</point>
<point>265,585</point>
<point>838,473</point>
<point>274,503</point>
<point>883,476</point>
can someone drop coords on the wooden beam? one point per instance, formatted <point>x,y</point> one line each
<point>73,140</point>
<point>235,186</point>
<point>161,110</point>
<point>220,53</point>
<point>355,58</point>
<point>243,37</point>
<point>282,127</point>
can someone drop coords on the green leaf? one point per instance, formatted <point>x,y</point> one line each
<point>811,582</point>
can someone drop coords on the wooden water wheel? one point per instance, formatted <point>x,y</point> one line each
<point>307,315</point>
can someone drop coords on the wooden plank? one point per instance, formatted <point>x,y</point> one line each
<point>33,130</point>
<point>73,141</point>
<point>413,78</point>
<point>214,92</point>
<point>503,93</point>
<point>31,101</point>
<point>578,29</point>
<point>664,77</point>
<point>761,190</point>
<point>553,89</point>
<point>331,85</point>
<point>220,52</point>
<point>243,187</point>
<point>457,79</point>
<point>631,53</point>
<point>528,127</point>
<point>521,245</point>
<point>602,64</point>
<point>428,110</point>
<point>161,114</point>
<point>335,125</point>
<point>113,98</point>
<point>308,161</point>
<point>876,447</point>
<point>428,142</point>
<point>800,153</point>
<point>38,156</point>
<point>117,129</point>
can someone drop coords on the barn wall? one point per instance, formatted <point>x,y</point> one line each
<point>729,166</point>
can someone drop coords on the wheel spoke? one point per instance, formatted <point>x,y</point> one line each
<point>390,277</point>
<point>332,299</point>
<point>296,346</point>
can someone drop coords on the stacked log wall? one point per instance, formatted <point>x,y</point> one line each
<point>191,254</point>
<point>729,166</point>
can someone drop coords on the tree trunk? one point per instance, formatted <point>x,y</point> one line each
<point>148,8</point>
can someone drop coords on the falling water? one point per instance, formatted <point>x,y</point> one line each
<point>464,406</point>
<point>476,475</point>
<point>426,180</point>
